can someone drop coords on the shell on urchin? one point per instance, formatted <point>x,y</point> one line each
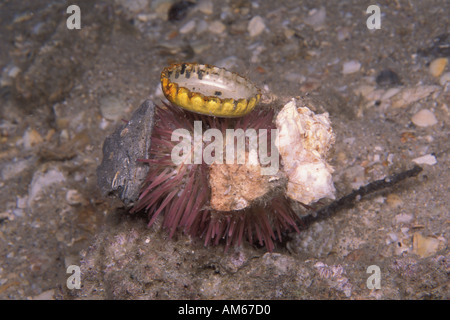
<point>304,140</point>
<point>235,186</point>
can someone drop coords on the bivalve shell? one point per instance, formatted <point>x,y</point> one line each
<point>209,90</point>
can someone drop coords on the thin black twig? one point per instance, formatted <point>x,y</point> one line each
<point>349,199</point>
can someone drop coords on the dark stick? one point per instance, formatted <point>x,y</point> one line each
<point>348,199</point>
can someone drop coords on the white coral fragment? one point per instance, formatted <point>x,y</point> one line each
<point>304,139</point>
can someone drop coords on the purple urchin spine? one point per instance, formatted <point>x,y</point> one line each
<point>182,192</point>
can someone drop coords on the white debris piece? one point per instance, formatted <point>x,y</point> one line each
<point>188,27</point>
<point>316,18</point>
<point>256,26</point>
<point>42,181</point>
<point>351,67</point>
<point>424,118</point>
<point>304,139</point>
<point>426,159</point>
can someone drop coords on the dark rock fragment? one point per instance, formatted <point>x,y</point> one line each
<point>179,10</point>
<point>388,78</point>
<point>120,174</point>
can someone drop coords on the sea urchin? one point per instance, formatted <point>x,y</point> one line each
<point>210,198</point>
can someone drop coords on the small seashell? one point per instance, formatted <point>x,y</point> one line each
<point>424,118</point>
<point>426,246</point>
<point>256,26</point>
<point>351,67</point>
<point>303,142</point>
<point>209,90</point>
<point>437,66</point>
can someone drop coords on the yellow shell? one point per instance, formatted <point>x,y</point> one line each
<point>209,90</point>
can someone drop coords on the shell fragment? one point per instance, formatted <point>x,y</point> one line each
<point>304,139</point>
